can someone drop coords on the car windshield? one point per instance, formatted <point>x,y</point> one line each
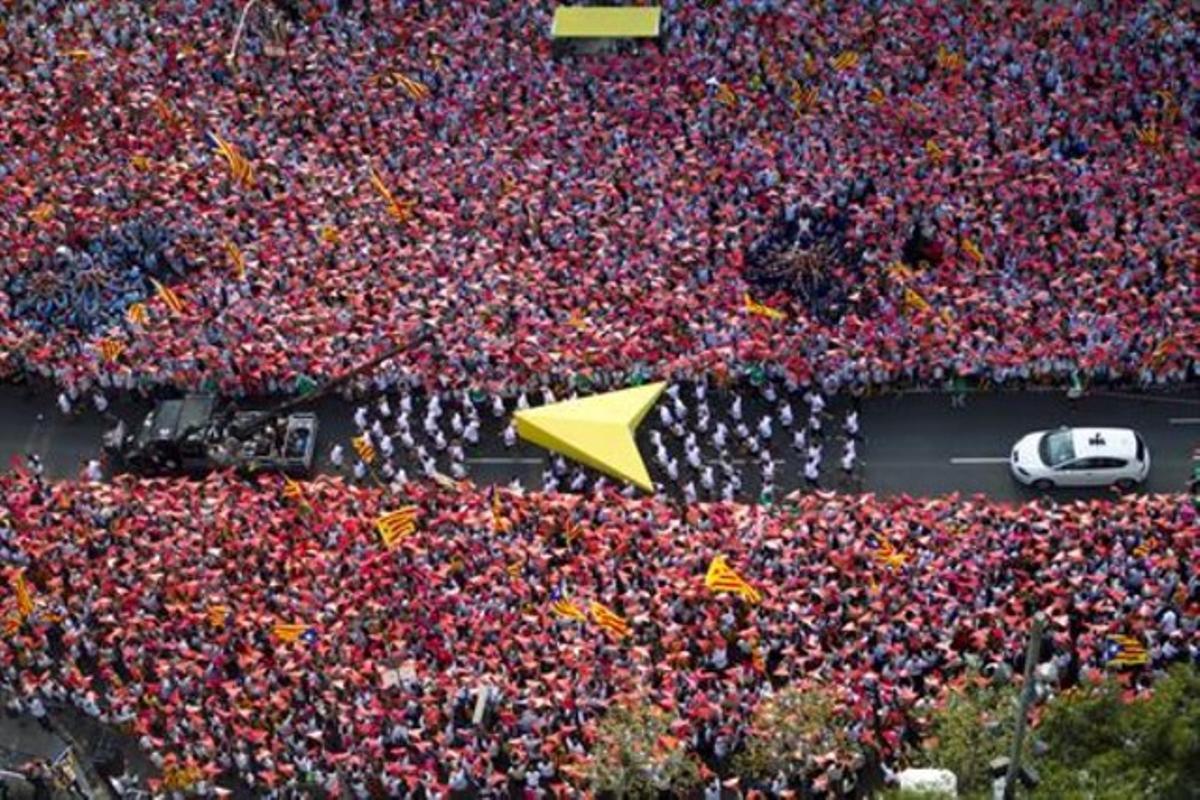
<point>1056,448</point>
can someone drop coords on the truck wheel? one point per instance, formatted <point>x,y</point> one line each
<point>1043,484</point>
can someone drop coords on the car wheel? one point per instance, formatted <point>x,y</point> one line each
<point>1043,484</point>
<point>1126,484</point>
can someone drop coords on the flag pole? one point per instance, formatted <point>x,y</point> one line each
<point>237,36</point>
<point>1031,657</point>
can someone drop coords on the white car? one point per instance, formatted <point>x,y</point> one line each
<point>1081,457</point>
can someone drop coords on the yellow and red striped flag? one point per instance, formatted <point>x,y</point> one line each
<point>140,163</point>
<point>293,631</point>
<point>136,314</point>
<point>42,214</point>
<point>1151,137</point>
<point>217,615</point>
<point>401,210</point>
<point>168,296</point>
<point>972,250</point>
<point>847,59</point>
<point>725,95</point>
<point>292,490</point>
<point>414,88</point>
<point>936,154</point>
<point>568,610</point>
<point>888,555</point>
<point>948,59</point>
<point>804,98</point>
<point>237,259</point>
<point>395,525</point>
<point>365,450</point>
<point>111,349</point>
<point>240,168</point>
<point>761,310</point>
<point>722,578</point>
<point>608,619</point>
<point>21,592</point>
<point>1126,651</point>
<point>500,524</point>
<point>876,97</point>
<point>913,301</point>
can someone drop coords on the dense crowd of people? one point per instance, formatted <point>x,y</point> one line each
<point>591,215</point>
<point>243,634</point>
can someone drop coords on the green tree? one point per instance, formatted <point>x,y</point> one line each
<point>790,729</point>
<point>1102,747</point>
<point>972,727</point>
<point>636,756</point>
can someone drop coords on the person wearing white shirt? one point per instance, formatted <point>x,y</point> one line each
<point>812,473</point>
<point>689,492</point>
<point>785,415</point>
<point>851,424</point>
<point>719,436</point>
<point>456,424</point>
<point>522,402</point>
<point>337,456</point>
<point>360,470</point>
<point>735,410</point>
<point>406,404</point>
<point>799,439</point>
<point>680,409</point>
<point>814,423</point>
<point>673,469</point>
<point>707,481</point>
<point>92,471</point>
<point>814,453</point>
<point>407,440</point>
<point>101,402</point>
<point>471,433</point>
<point>664,416</point>
<point>64,404</point>
<point>693,458</point>
<point>764,427</point>
<point>377,429</point>
<point>548,397</point>
<point>510,435</point>
<point>386,447</point>
<point>497,406</point>
<point>360,417</point>
<point>439,440</point>
<point>385,409</point>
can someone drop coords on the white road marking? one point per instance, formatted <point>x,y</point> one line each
<point>504,461</point>
<point>1184,420</point>
<point>980,460</point>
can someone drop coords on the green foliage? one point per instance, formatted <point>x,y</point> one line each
<point>635,755</point>
<point>1101,747</point>
<point>974,726</point>
<point>790,729</point>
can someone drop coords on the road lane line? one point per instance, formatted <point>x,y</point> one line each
<point>980,460</point>
<point>504,461</point>
<point>1184,420</point>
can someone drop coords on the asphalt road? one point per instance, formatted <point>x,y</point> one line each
<point>914,443</point>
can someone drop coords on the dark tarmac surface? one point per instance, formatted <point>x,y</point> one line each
<point>915,443</point>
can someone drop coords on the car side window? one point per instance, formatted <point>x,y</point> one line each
<point>1110,463</point>
<point>1081,464</point>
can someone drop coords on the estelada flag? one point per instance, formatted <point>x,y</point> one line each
<point>761,310</point>
<point>136,314</point>
<point>290,632</point>
<point>168,296</point>
<point>218,615</point>
<point>888,554</point>
<point>111,349</point>
<point>565,608</point>
<point>722,578</point>
<point>292,490</point>
<point>608,619</point>
<point>414,88</point>
<point>499,523</point>
<point>24,599</point>
<point>395,525</point>
<point>237,259</point>
<point>845,60</point>
<point>1126,651</point>
<point>365,450</point>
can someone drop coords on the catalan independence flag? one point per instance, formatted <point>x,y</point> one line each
<point>935,152</point>
<point>365,450</point>
<point>1126,651</point>
<point>608,619</point>
<point>217,615</point>
<point>847,59</point>
<point>237,259</point>
<point>239,168</point>
<point>401,210</point>
<point>294,631</point>
<point>136,314</point>
<point>415,89</point>
<point>725,95</point>
<point>913,301</point>
<point>758,309</point>
<point>972,250</point>
<point>111,349</point>
<point>888,555</point>
<point>292,490</point>
<point>568,610</point>
<point>395,525</point>
<point>24,598</point>
<point>168,296</point>
<point>876,97</point>
<point>722,578</point>
<point>500,524</point>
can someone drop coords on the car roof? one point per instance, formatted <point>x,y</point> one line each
<point>1116,442</point>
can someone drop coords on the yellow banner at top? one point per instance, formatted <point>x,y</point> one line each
<point>606,22</point>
